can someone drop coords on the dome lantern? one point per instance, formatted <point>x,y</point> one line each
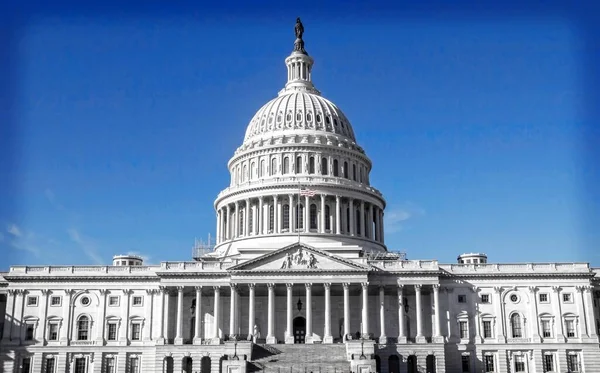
<point>299,65</point>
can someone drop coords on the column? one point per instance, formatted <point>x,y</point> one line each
<point>179,331</point>
<point>401,322</point>
<point>560,333</point>
<point>346,310</point>
<point>64,334</point>
<point>309,332</point>
<point>271,316</point>
<point>276,209</point>
<point>351,216</point>
<point>216,330</point>
<point>218,226</point>
<point>579,301</point>
<point>476,321</point>
<point>260,218</point>
<point>589,307</point>
<point>338,213</point>
<point>322,225</point>
<point>247,218</point>
<point>307,214</point>
<point>198,316</point>
<point>161,336</point>
<point>289,333</point>
<point>382,225</point>
<point>419,309</point>
<point>362,219</point>
<point>251,321</point>
<point>232,309</point>
<point>500,334</point>
<point>10,312</point>
<point>533,316</point>
<point>41,327</point>
<point>369,222</point>
<point>436,308</point>
<point>382,336</point>
<point>376,217</point>
<point>255,221</point>
<point>228,223</point>
<point>236,220</point>
<point>291,210</point>
<point>167,313</point>
<point>124,332</point>
<point>327,337</point>
<point>365,308</point>
<point>150,313</point>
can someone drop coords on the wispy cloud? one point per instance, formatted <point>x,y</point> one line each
<point>85,244</point>
<point>396,217</point>
<point>51,197</point>
<point>14,230</point>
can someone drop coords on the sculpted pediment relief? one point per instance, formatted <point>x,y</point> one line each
<point>299,257</point>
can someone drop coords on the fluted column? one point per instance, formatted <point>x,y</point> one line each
<point>363,226</point>
<point>40,331</point>
<point>500,334</point>
<point>382,336</point>
<point>322,225</point>
<point>276,213</point>
<point>271,316</point>
<point>161,330</point>
<point>251,317</point>
<point>247,218</point>
<point>260,218</point>
<point>419,310</point>
<point>309,332</point>
<point>365,308</point>
<point>560,333</point>
<point>64,335</point>
<point>369,222</point>
<point>533,317</point>
<point>289,332</point>
<point>327,337</point>
<point>198,316</point>
<point>589,308</point>
<point>307,214</point>
<point>216,318</point>
<point>124,332</point>
<point>236,220</point>
<point>178,336</point>
<point>401,331</point>
<point>338,213</point>
<point>218,226</point>
<point>232,309</point>
<point>101,317</point>
<point>346,310</point>
<point>352,223</point>
<point>581,311</point>
<point>382,240</point>
<point>291,214</point>
<point>279,214</point>
<point>228,223</point>
<point>149,312</point>
<point>436,308</point>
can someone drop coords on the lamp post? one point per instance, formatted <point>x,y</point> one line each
<point>235,357</point>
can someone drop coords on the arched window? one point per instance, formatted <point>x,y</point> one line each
<point>346,170</point>
<point>273,166</point>
<point>336,171</point>
<point>250,220</point>
<point>515,323</point>
<point>237,174</point>
<point>327,217</point>
<point>313,216</point>
<point>253,171</point>
<point>272,218</point>
<point>286,165</point>
<point>241,223</point>
<point>347,219</point>
<point>263,170</point>
<point>286,217</point>
<point>300,217</point>
<point>354,171</point>
<point>311,165</point>
<point>324,166</point>
<point>298,165</point>
<point>245,173</point>
<point>358,219</point>
<point>83,328</point>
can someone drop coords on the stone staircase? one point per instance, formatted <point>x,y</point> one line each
<point>299,358</point>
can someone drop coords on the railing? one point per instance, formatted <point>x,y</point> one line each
<point>517,267</point>
<point>406,264</point>
<point>82,270</point>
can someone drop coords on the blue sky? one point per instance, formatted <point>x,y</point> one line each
<point>124,125</point>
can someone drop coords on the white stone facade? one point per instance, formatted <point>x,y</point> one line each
<point>300,258</point>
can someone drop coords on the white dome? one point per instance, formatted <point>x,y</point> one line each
<point>298,112</point>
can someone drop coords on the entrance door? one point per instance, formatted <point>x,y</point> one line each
<point>299,329</point>
<point>412,364</point>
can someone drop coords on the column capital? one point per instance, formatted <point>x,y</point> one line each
<point>237,204</point>
<point>418,287</point>
<point>346,285</point>
<point>556,289</point>
<point>580,288</point>
<point>435,287</point>
<point>533,289</point>
<point>127,291</point>
<point>217,289</point>
<point>308,286</point>
<point>104,291</point>
<point>69,292</point>
<point>588,288</point>
<point>148,291</point>
<point>233,287</point>
<point>179,289</point>
<point>400,287</point>
<point>475,289</point>
<point>289,285</point>
<point>327,285</point>
<point>261,198</point>
<point>251,286</point>
<point>271,285</point>
<point>198,288</point>
<point>498,289</point>
<point>46,292</point>
<point>364,285</point>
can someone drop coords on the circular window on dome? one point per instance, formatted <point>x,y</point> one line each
<point>514,298</point>
<point>85,301</point>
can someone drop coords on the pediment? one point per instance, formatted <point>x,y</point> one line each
<point>299,257</point>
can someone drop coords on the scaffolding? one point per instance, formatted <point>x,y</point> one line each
<point>385,255</point>
<point>202,248</point>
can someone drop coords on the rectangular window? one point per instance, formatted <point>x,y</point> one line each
<point>543,297</point>
<point>26,364</point>
<point>519,363</point>
<point>110,365</point>
<point>112,332</point>
<point>487,329</point>
<point>134,365</point>
<point>53,332</point>
<point>464,330</point>
<point>50,365</point>
<point>573,363</point>
<point>462,298</point>
<point>135,331</point>
<point>29,332</point>
<point>567,297</point>
<point>80,365</point>
<point>55,301</point>
<point>32,301</point>
<point>113,300</point>
<point>546,331</point>
<point>548,363</point>
<point>137,300</point>
<point>570,325</point>
<point>466,363</point>
<point>488,362</point>
<point>485,298</point>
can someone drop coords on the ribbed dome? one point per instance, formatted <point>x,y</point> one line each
<point>298,111</point>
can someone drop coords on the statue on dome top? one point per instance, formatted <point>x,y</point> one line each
<point>299,43</point>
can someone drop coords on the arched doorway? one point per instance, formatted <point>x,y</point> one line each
<point>205,364</point>
<point>411,362</point>
<point>186,364</point>
<point>168,365</point>
<point>377,364</point>
<point>430,363</point>
<point>299,329</point>
<point>394,364</point>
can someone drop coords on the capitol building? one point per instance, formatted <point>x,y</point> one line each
<point>300,280</point>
